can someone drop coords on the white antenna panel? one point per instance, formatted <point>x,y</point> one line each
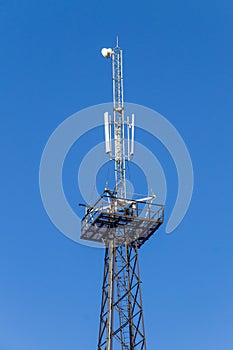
<point>132,136</point>
<point>128,138</point>
<point>107,133</point>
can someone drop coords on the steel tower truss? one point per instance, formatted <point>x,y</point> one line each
<point>123,300</point>
<point>123,226</point>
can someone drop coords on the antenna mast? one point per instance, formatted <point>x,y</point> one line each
<point>121,148</point>
<point>119,122</point>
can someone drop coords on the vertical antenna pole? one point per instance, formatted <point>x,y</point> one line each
<point>118,110</point>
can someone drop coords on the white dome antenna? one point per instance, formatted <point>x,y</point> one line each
<point>106,52</point>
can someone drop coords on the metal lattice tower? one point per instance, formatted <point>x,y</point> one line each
<point>122,225</point>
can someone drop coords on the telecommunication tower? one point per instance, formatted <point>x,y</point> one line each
<point>123,226</point>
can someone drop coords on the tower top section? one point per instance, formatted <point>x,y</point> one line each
<point>107,52</point>
<point>119,130</point>
<point>116,219</point>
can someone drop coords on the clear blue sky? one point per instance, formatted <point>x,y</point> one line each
<point>178,61</point>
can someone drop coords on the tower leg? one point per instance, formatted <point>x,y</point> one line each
<point>121,316</point>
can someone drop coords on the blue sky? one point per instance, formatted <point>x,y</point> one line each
<point>178,61</point>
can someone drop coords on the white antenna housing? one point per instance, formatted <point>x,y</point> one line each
<point>106,52</point>
<point>132,137</point>
<point>107,130</point>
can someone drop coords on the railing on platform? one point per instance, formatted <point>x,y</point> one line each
<point>124,220</point>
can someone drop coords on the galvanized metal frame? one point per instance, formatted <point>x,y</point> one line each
<point>126,330</point>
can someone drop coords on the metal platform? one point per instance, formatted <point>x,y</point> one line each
<point>124,221</point>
